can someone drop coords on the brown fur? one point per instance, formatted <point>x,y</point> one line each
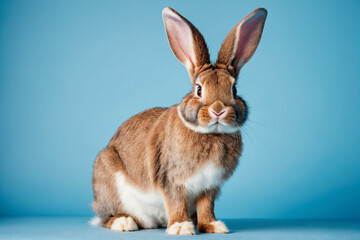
<point>155,150</point>
<point>205,211</point>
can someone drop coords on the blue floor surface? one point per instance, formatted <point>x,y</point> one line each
<point>77,228</point>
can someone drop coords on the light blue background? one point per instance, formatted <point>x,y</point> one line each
<point>72,71</point>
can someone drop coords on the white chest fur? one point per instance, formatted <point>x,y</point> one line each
<point>208,177</point>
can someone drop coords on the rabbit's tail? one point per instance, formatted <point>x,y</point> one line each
<point>95,221</point>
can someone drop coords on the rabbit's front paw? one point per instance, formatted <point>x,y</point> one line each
<point>213,227</point>
<point>124,224</point>
<point>182,228</point>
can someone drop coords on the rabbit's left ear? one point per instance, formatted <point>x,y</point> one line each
<point>242,41</point>
<point>186,42</point>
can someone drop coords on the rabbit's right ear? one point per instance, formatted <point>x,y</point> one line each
<point>186,42</point>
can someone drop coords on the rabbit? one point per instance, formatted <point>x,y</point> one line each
<point>164,166</point>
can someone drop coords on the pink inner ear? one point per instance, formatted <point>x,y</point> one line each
<point>180,38</point>
<point>249,34</point>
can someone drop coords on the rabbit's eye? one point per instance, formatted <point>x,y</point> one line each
<point>198,91</point>
<point>234,91</point>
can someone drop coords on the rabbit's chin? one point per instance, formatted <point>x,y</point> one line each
<point>212,127</point>
<point>221,128</point>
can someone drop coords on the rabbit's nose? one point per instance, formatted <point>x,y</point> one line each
<point>218,114</point>
<point>217,108</point>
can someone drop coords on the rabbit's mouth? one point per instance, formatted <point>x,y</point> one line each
<point>221,127</point>
<point>213,125</point>
<point>216,122</point>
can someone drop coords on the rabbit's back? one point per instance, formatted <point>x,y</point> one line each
<point>130,143</point>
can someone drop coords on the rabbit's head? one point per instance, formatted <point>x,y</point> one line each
<point>213,106</point>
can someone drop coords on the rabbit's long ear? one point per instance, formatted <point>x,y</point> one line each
<point>186,42</point>
<point>242,41</point>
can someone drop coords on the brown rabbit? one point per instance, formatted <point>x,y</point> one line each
<point>164,166</point>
